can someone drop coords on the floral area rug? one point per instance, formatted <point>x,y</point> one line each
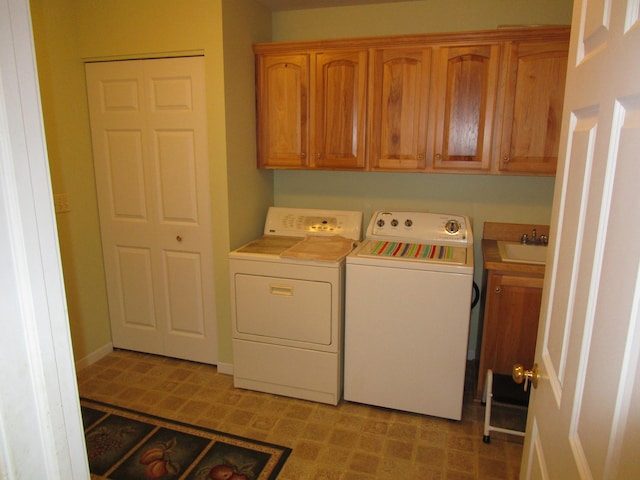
<point>124,444</point>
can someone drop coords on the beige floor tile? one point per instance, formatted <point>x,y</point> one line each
<point>349,441</point>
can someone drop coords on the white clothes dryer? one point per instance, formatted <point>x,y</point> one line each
<point>408,305</point>
<point>287,303</point>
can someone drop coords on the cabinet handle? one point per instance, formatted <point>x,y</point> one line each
<point>420,156</point>
<point>179,238</point>
<point>498,289</point>
<point>318,155</point>
<point>438,156</point>
<point>505,159</point>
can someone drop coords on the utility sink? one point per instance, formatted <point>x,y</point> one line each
<point>521,253</point>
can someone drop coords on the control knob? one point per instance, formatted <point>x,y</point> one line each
<point>408,222</point>
<point>452,227</point>
<point>394,223</point>
<point>380,223</point>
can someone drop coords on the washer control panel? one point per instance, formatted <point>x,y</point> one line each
<point>420,227</point>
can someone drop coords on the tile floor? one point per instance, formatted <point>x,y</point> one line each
<point>345,442</point>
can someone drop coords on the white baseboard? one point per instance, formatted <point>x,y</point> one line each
<point>226,368</point>
<point>94,356</point>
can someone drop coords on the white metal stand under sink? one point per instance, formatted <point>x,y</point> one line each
<point>502,390</point>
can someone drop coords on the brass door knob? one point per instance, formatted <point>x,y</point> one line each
<point>520,375</point>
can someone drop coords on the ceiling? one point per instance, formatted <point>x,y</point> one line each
<point>278,5</point>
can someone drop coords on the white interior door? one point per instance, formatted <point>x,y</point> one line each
<point>41,434</point>
<point>148,123</point>
<point>584,420</point>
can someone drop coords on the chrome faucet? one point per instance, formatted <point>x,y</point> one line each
<point>534,240</point>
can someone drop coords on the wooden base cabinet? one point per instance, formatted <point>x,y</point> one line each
<point>510,326</point>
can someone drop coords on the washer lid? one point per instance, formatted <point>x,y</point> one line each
<point>413,256</point>
<point>300,222</point>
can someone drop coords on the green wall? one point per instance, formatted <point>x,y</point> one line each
<point>62,88</point>
<point>417,17</point>
<point>252,191</point>
<point>484,198</point>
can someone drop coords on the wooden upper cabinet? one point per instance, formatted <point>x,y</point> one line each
<point>484,102</point>
<point>465,86</point>
<point>312,110</point>
<point>283,110</point>
<point>339,110</point>
<point>534,94</point>
<point>399,103</point>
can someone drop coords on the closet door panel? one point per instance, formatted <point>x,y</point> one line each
<point>148,124</point>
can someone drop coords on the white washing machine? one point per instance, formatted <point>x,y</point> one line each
<point>408,306</point>
<point>287,303</point>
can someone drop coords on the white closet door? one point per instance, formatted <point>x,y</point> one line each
<point>148,124</point>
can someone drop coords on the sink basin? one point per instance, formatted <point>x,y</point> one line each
<point>520,253</point>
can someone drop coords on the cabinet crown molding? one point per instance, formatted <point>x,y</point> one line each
<point>546,33</point>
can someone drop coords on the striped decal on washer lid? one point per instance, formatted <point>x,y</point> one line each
<point>416,251</point>
<point>412,250</point>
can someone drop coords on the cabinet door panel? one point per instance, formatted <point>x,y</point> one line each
<point>400,96</point>
<point>510,324</point>
<point>533,107</point>
<point>467,79</point>
<point>518,330</point>
<point>339,113</point>
<point>283,86</point>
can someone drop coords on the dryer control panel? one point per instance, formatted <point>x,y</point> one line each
<point>300,222</point>
<point>423,227</point>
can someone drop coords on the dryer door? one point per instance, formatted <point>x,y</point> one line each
<point>277,308</point>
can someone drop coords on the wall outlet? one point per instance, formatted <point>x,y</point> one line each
<point>61,202</point>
